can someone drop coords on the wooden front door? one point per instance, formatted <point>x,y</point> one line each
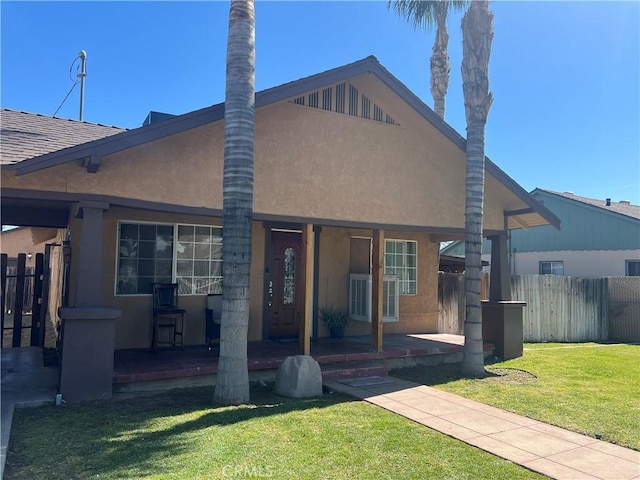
<point>285,284</point>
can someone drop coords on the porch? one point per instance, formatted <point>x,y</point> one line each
<point>137,370</point>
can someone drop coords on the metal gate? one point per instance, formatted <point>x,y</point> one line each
<point>24,298</point>
<point>22,309</point>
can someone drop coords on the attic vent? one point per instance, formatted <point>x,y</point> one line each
<point>357,104</point>
<point>313,99</point>
<point>625,202</point>
<point>353,100</point>
<point>326,98</point>
<point>366,107</point>
<point>340,94</point>
<point>377,113</point>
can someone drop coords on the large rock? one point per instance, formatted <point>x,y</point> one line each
<point>299,377</point>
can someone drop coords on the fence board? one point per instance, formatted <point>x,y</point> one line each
<point>624,309</point>
<point>561,309</point>
<point>452,302</point>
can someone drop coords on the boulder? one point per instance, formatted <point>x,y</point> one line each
<point>299,377</point>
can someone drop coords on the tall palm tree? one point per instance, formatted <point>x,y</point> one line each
<point>477,34</point>
<point>426,14</point>
<point>232,384</point>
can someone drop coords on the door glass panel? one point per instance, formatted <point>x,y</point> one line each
<point>289,276</point>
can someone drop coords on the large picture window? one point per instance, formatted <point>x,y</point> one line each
<point>190,255</point>
<point>401,260</point>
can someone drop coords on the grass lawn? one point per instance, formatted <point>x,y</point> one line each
<point>179,435</point>
<point>588,388</point>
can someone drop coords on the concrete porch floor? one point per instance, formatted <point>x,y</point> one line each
<point>145,367</point>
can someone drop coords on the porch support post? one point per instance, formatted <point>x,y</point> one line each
<point>377,275</point>
<point>307,269</point>
<point>502,317</point>
<point>500,284</point>
<point>89,276</point>
<point>88,328</point>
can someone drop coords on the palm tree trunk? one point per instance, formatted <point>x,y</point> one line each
<point>440,68</point>
<point>477,30</point>
<point>232,384</point>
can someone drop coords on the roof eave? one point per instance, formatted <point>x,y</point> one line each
<point>138,136</point>
<point>130,138</point>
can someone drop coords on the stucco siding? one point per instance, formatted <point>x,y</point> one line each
<point>133,329</point>
<point>309,163</point>
<point>418,313</point>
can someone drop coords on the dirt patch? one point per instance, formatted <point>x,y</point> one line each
<point>509,376</point>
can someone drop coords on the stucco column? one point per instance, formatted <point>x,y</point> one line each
<point>89,257</point>
<point>500,282</point>
<point>88,328</point>
<point>502,317</point>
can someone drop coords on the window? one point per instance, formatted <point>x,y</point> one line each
<point>199,260</point>
<point>552,268</point>
<point>190,255</point>
<point>633,268</point>
<point>360,297</point>
<point>400,259</point>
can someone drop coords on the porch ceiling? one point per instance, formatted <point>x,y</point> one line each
<point>24,212</point>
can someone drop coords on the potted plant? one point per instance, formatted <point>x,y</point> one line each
<point>335,319</point>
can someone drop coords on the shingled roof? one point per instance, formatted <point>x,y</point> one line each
<point>621,208</point>
<point>27,135</point>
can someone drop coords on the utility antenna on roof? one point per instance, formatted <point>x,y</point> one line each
<point>81,76</point>
<point>83,73</point>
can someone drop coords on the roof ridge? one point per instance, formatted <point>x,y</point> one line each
<point>62,118</point>
<point>569,194</point>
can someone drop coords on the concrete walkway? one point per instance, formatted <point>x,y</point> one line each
<point>540,447</point>
<point>25,382</point>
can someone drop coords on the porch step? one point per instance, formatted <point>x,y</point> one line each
<point>340,371</point>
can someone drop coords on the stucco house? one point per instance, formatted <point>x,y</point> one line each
<point>599,238</point>
<point>354,175</point>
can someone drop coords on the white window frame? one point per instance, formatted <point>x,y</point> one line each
<point>553,265</point>
<point>174,258</point>
<point>403,281</point>
<point>360,306</point>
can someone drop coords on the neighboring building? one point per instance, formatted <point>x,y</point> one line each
<point>599,238</point>
<point>349,160</point>
<point>29,241</point>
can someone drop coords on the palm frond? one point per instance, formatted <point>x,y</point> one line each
<point>423,13</point>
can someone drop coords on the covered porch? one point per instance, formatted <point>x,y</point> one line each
<point>338,358</point>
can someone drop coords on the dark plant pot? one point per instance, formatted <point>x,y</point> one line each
<point>336,332</point>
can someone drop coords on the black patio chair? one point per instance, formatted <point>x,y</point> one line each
<point>167,316</point>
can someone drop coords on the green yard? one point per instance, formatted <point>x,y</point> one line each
<point>588,388</point>
<point>179,435</point>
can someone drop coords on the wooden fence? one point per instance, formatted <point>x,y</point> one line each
<point>624,309</point>
<point>559,308</point>
<point>562,309</point>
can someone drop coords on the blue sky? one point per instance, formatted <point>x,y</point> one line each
<point>565,75</point>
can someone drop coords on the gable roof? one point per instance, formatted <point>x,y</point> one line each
<point>28,135</point>
<point>181,123</point>
<point>626,209</point>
